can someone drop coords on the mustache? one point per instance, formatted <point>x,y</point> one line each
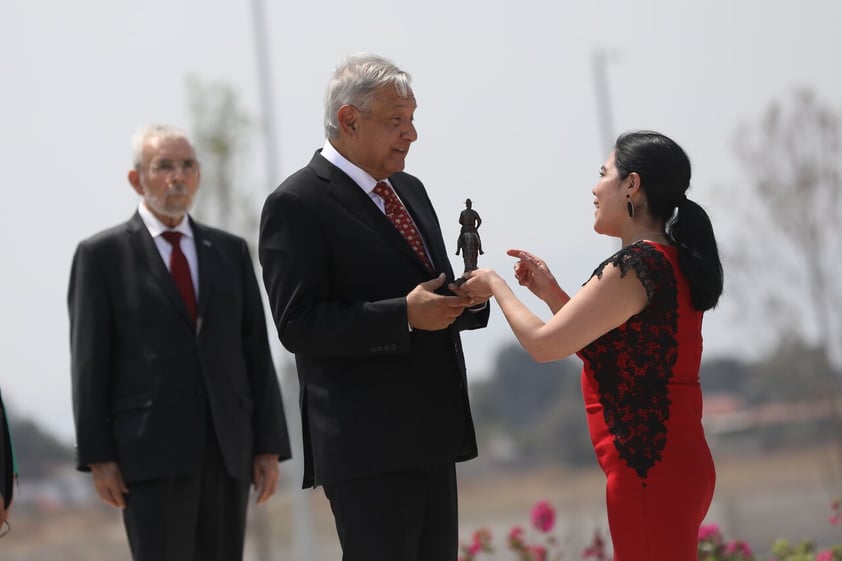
<point>178,189</point>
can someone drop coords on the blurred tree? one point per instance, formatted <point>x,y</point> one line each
<point>780,376</point>
<point>523,388</point>
<point>793,156</point>
<point>537,405</point>
<point>38,453</point>
<point>723,375</point>
<point>222,131</point>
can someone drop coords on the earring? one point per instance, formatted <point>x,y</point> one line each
<point>630,206</point>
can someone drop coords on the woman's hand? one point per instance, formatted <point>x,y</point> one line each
<point>533,273</point>
<point>479,285</point>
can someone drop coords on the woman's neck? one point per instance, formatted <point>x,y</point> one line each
<point>654,234</point>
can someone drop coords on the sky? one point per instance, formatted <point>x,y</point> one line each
<point>507,116</point>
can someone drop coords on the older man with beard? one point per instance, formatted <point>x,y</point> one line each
<point>176,403</point>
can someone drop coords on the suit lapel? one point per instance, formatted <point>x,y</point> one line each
<point>205,254</point>
<point>426,222</point>
<point>149,259</point>
<point>355,201</point>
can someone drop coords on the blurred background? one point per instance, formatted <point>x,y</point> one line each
<point>519,104</point>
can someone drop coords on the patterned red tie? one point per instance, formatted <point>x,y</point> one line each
<point>399,216</point>
<point>180,271</point>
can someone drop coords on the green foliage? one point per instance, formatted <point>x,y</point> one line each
<point>783,550</point>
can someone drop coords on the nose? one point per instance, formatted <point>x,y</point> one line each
<point>410,134</point>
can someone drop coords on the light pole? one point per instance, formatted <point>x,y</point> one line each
<point>303,540</point>
<point>599,61</point>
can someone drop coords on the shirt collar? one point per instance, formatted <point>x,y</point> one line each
<point>156,227</point>
<point>360,177</point>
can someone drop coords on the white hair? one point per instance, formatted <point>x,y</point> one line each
<point>148,132</point>
<point>356,80</point>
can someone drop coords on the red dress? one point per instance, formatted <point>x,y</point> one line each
<point>643,401</point>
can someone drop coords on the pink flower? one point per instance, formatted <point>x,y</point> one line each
<point>482,537</point>
<point>596,549</point>
<point>538,553</point>
<point>709,532</point>
<point>826,555</point>
<point>740,547</point>
<point>474,548</point>
<point>543,516</point>
<point>515,538</point>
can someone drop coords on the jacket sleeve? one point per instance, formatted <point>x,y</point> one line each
<point>296,260</point>
<point>7,460</point>
<point>90,344</point>
<point>269,424</point>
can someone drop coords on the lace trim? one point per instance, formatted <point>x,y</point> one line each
<point>634,257</point>
<point>633,363</point>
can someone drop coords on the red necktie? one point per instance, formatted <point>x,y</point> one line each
<point>180,271</point>
<point>396,212</point>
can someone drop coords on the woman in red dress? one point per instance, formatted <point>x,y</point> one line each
<point>636,324</point>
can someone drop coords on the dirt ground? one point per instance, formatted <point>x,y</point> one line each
<point>758,499</point>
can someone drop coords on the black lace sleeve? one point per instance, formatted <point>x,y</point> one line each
<point>638,256</point>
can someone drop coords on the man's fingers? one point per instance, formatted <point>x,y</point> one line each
<point>435,283</point>
<point>266,486</point>
<point>266,475</point>
<point>270,485</point>
<point>111,496</point>
<point>109,483</point>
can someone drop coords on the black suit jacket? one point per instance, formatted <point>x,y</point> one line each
<point>375,397</point>
<point>7,460</point>
<point>147,383</point>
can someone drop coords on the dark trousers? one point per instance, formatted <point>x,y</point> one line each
<point>196,517</point>
<point>403,516</point>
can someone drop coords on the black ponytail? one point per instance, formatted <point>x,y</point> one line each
<point>691,231</point>
<point>664,171</point>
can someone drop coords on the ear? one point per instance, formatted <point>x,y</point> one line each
<point>348,117</point>
<point>134,180</point>
<point>633,185</point>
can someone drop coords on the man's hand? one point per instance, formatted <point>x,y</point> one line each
<point>430,311</point>
<point>266,475</point>
<point>109,484</point>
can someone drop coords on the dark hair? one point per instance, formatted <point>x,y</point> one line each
<point>664,171</point>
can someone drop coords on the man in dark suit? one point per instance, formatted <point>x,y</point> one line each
<point>360,299</point>
<point>8,471</point>
<point>176,402</point>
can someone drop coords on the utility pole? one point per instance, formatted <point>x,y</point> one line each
<point>302,512</point>
<point>599,63</point>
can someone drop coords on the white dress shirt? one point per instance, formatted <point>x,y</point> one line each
<point>187,242</point>
<point>367,183</point>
